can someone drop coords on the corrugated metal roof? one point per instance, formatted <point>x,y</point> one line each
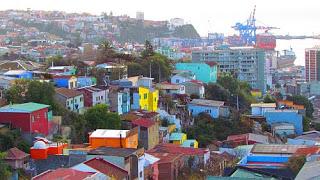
<point>275,148</point>
<point>264,105</point>
<point>205,102</point>
<point>109,133</point>
<point>24,108</point>
<point>310,170</point>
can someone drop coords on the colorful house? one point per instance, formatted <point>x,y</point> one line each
<point>94,96</point>
<point>194,87</point>
<point>108,169</point>
<point>20,74</point>
<point>214,108</point>
<point>84,81</point>
<point>182,76</point>
<point>205,72</point>
<point>68,81</point>
<point>168,88</point>
<point>190,143</point>
<point>148,132</point>
<point>119,99</point>
<point>259,109</point>
<point>286,116</point>
<point>71,99</point>
<point>17,159</point>
<point>130,159</point>
<point>114,138</point>
<point>41,149</point>
<point>149,98</point>
<point>177,138</point>
<point>29,117</point>
<point>62,70</point>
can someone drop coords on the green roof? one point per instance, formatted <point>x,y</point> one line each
<point>25,107</point>
<point>241,173</point>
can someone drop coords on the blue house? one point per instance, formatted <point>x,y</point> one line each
<point>285,116</point>
<point>84,81</point>
<point>205,72</point>
<point>214,108</point>
<point>69,82</point>
<point>21,74</point>
<point>119,100</point>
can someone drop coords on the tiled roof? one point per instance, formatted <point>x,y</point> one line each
<point>24,108</point>
<point>15,153</point>
<point>68,93</point>
<point>211,63</point>
<point>250,137</point>
<point>64,174</point>
<point>107,168</point>
<point>143,122</point>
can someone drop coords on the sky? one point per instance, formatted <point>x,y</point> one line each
<point>294,17</point>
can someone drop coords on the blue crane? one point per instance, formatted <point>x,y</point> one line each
<point>248,30</point>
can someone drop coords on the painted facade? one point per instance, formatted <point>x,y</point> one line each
<point>149,98</point>
<point>205,72</point>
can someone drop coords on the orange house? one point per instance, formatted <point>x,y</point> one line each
<point>41,150</point>
<point>114,138</point>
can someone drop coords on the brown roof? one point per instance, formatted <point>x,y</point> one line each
<point>211,63</point>
<point>15,153</point>
<point>107,168</point>
<point>68,93</point>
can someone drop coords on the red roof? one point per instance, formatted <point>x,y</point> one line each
<point>307,151</point>
<point>176,149</point>
<point>15,153</point>
<point>196,82</point>
<point>211,63</point>
<point>63,174</point>
<point>107,168</point>
<point>68,93</point>
<point>166,157</point>
<point>143,122</point>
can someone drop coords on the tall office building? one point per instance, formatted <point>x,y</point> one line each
<point>246,63</point>
<point>312,64</point>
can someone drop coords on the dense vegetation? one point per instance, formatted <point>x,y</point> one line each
<point>206,129</point>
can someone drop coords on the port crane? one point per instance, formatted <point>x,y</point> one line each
<point>248,29</point>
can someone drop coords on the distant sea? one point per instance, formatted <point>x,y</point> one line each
<point>298,46</point>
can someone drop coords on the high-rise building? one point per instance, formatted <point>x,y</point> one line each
<point>246,63</point>
<point>140,15</point>
<point>312,64</point>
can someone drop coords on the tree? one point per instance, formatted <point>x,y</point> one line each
<point>148,50</point>
<point>215,91</point>
<point>268,99</point>
<point>98,117</point>
<point>5,169</point>
<point>16,93</point>
<point>106,52</point>
<point>295,163</point>
<point>306,123</point>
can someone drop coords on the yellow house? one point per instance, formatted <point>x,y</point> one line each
<point>177,138</point>
<point>256,93</point>
<point>148,99</point>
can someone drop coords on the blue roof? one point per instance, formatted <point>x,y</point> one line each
<point>176,136</point>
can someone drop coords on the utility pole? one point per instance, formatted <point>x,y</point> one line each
<point>150,69</point>
<point>159,74</point>
<point>237,102</point>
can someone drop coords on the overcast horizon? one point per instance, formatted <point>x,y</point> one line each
<point>292,17</point>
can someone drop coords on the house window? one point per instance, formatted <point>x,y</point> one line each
<point>67,103</point>
<point>75,101</point>
<point>32,118</point>
<point>72,101</point>
<point>177,81</point>
<point>140,173</point>
<point>81,99</point>
<point>101,97</point>
<point>145,96</point>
